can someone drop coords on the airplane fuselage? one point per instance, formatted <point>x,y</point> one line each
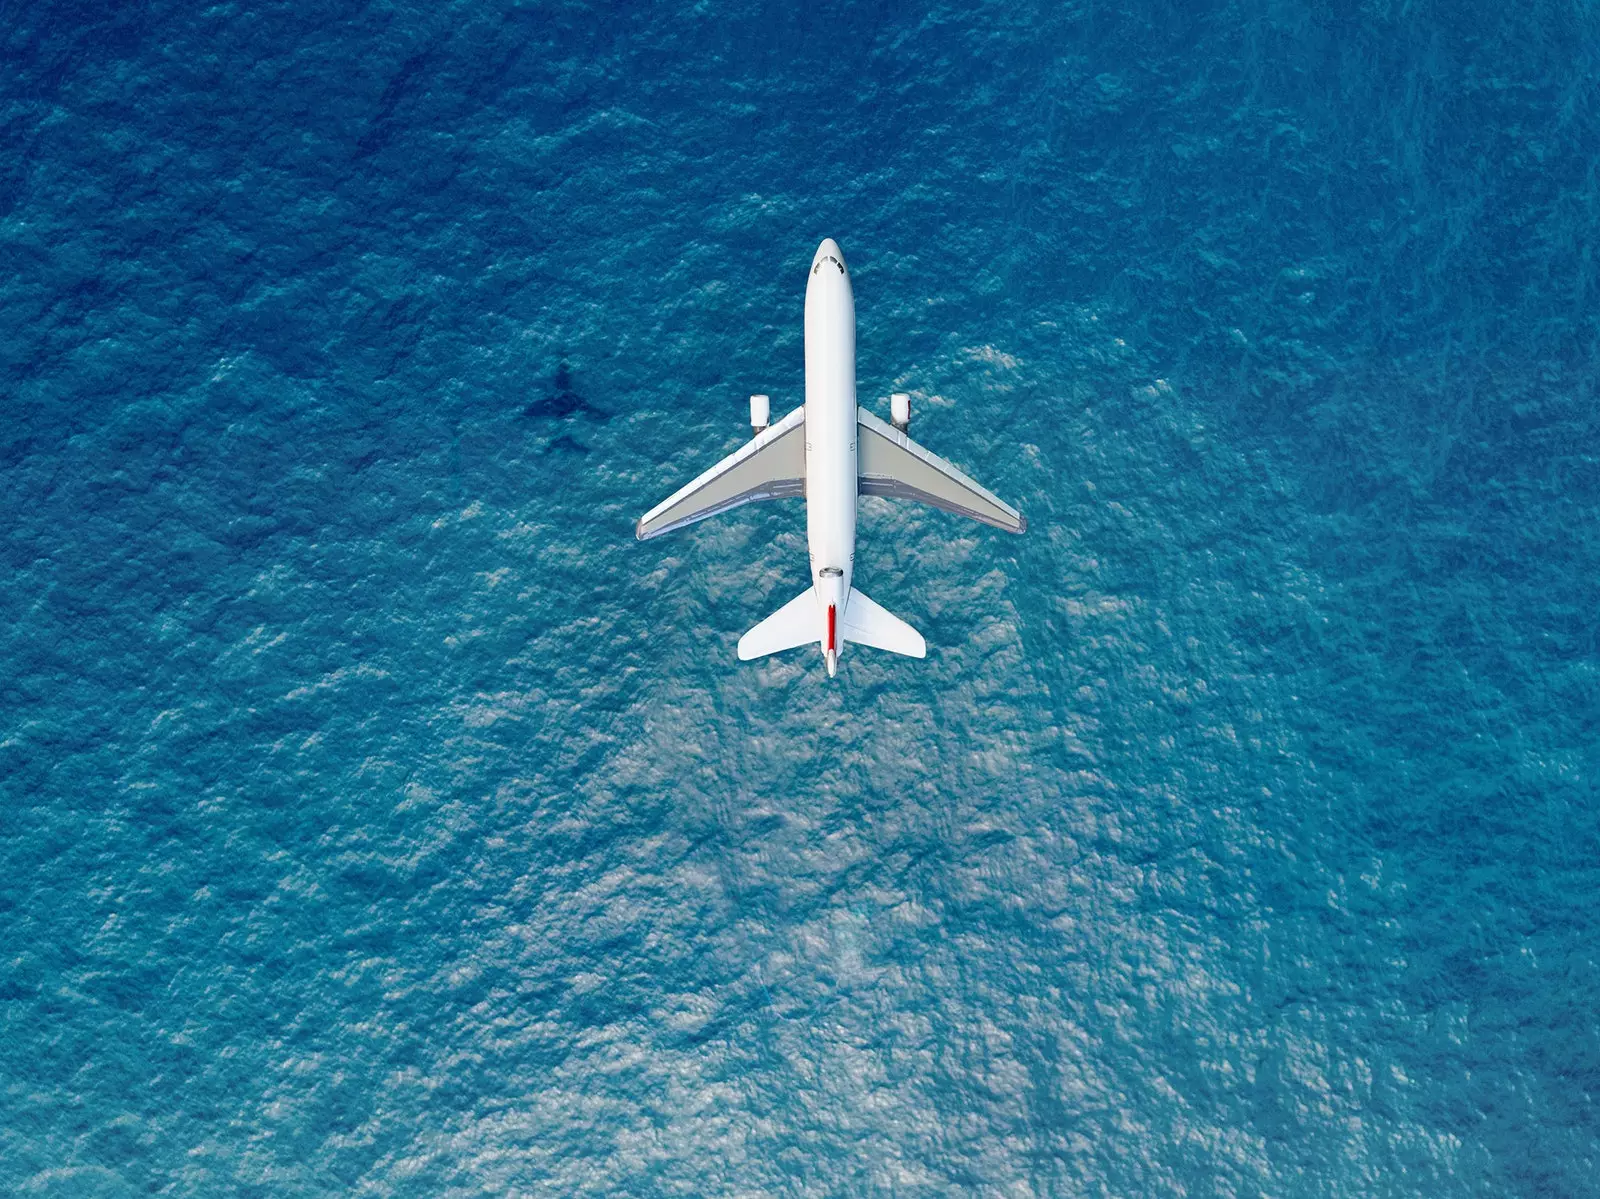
<point>831,476</point>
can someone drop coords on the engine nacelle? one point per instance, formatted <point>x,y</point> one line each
<point>760,412</point>
<point>900,411</point>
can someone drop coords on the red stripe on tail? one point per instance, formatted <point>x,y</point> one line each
<point>830,627</point>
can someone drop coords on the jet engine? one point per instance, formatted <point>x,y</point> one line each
<point>760,412</point>
<point>900,411</point>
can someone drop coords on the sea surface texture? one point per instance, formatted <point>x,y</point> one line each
<point>380,818</point>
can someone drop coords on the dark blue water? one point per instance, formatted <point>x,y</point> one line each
<point>381,818</point>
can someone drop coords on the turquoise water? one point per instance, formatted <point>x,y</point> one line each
<point>382,818</point>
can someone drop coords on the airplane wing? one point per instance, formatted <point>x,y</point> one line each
<point>891,464</point>
<point>771,466</point>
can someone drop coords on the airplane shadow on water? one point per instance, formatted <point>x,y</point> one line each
<point>562,402</point>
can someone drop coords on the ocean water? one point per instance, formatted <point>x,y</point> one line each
<point>381,818</point>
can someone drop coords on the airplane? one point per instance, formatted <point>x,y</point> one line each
<point>830,451</point>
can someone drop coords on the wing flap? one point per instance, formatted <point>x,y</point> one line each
<point>770,466</point>
<point>891,464</point>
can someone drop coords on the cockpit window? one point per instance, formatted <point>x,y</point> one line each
<point>831,572</point>
<point>817,265</point>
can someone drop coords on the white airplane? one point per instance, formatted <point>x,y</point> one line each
<point>830,451</point>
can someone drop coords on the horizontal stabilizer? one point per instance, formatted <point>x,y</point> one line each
<point>866,623</point>
<point>771,466</point>
<point>891,464</point>
<point>799,622</point>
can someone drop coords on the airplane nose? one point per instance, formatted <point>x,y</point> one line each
<point>829,252</point>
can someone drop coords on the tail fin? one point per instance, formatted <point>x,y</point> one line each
<point>867,624</point>
<point>798,622</point>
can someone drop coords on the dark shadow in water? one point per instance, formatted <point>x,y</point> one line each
<point>562,401</point>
